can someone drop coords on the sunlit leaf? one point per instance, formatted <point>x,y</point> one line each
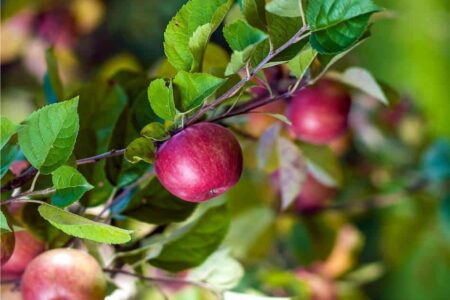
<point>70,186</point>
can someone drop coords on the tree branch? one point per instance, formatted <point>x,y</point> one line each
<point>232,91</point>
<point>31,172</point>
<point>165,279</point>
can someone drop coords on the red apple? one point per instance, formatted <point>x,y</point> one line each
<point>319,113</point>
<point>200,162</point>
<point>63,274</point>
<point>313,195</point>
<point>26,248</point>
<point>6,247</point>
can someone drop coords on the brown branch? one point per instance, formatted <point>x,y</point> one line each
<point>165,279</point>
<point>232,91</point>
<point>31,172</point>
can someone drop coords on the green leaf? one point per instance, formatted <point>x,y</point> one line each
<point>70,186</point>
<point>194,88</point>
<point>140,149</point>
<point>254,12</point>
<point>161,99</point>
<point>53,74</point>
<point>192,244</point>
<point>284,8</point>
<point>155,131</point>
<point>184,51</point>
<point>292,171</point>
<point>4,226</point>
<point>239,35</point>
<point>362,80</point>
<point>155,205</point>
<point>83,228</point>
<point>197,45</point>
<point>8,128</point>
<point>220,270</point>
<point>8,155</point>
<point>300,64</point>
<point>336,25</point>
<point>47,137</point>
<point>238,60</point>
<point>323,164</point>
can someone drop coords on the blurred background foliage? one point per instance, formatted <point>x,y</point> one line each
<point>400,251</point>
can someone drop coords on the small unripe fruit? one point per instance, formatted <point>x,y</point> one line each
<point>313,196</point>
<point>26,248</point>
<point>319,113</point>
<point>200,162</point>
<point>63,274</point>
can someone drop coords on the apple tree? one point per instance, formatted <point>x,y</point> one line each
<point>247,177</point>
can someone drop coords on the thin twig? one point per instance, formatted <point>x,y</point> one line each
<point>31,172</point>
<point>165,279</point>
<point>125,192</point>
<point>232,91</point>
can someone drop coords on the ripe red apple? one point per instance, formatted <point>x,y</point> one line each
<point>200,162</point>
<point>6,247</point>
<point>313,195</point>
<point>26,248</point>
<point>319,113</point>
<point>63,274</point>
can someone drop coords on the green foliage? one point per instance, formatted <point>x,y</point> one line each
<point>155,131</point>
<point>254,13</point>
<point>8,128</point>
<point>323,164</point>
<point>9,154</point>
<point>194,88</point>
<point>362,80</point>
<point>83,228</point>
<point>336,25</point>
<point>4,226</point>
<point>187,33</point>
<point>155,205</point>
<point>219,270</point>
<point>140,149</point>
<point>53,74</point>
<point>284,8</point>
<point>192,244</point>
<point>161,99</point>
<point>70,186</point>
<point>299,65</point>
<point>240,35</point>
<point>47,137</point>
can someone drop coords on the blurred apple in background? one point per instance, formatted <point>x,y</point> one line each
<point>319,113</point>
<point>27,247</point>
<point>63,274</point>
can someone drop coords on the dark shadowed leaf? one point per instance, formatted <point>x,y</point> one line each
<point>193,243</point>
<point>155,205</point>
